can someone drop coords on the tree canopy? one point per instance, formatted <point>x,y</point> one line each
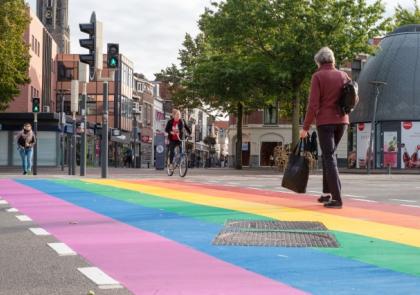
<point>14,53</point>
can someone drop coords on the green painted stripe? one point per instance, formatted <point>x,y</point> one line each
<point>381,253</point>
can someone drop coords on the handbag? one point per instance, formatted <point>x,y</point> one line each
<point>296,174</point>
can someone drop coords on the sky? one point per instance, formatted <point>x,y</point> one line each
<point>150,32</point>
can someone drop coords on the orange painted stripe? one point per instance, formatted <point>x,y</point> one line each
<point>347,211</point>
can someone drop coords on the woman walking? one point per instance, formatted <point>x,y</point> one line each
<point>26,140</point>
<point>326,87</point>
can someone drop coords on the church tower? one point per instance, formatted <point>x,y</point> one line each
<point>54,14</point>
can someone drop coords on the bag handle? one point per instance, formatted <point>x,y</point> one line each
<point>298,147</point>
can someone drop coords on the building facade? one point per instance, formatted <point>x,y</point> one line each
<point>143,96</point>
<point>262,131</point>
<point>120,101</point>
<point>396,141</point>
<point>43,73</point>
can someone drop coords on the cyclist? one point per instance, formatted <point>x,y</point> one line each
<point>175,129</point>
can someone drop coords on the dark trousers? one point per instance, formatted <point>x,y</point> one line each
<point>172,145</point>
<point>329,138</point>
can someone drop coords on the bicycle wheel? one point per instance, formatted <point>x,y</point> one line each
<point>183,166</point>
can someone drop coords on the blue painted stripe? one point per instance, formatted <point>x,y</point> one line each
<point>302,268</point>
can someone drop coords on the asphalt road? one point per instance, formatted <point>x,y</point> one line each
<point>29,267</point>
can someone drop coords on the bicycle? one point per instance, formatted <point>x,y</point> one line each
<point>180,160</point>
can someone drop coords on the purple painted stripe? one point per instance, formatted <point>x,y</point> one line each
<point>143,262</point>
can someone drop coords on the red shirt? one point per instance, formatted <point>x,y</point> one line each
<point>175,130</point>
<point>326,87</point>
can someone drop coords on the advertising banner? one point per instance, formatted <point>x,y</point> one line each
<point>410,144</point>
<point>363,137</point>
<point>390,149</point>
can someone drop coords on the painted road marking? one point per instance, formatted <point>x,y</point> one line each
<point>23,218</point>
<point>3,202</point>
<point>12,210</point>
<point>62,249</point>
<point>315,192</point>
<point>363,200</point>
<point>405,201</point>
<point>39,231</point>
<point>101,279</point>
<point>412,206</point>
<point>354,196</point>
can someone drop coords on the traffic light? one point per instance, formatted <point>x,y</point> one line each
<point>94,59</point>
<point>35,105</point>
<point>113,55</point>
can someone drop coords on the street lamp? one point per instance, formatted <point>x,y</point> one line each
<point>370,154</point>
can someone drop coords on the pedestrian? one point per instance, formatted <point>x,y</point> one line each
<point>128,158</point>
<point>25,141</point>
<point>326,87</point>
<point>271,161</point>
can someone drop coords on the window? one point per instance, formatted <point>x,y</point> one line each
<point>33,43</point>
<point>270,115</point>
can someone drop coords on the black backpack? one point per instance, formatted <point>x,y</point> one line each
<point>349,97</point>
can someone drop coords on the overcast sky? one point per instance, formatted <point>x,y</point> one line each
<point>150,32</point>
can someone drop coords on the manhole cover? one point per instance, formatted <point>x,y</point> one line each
<point>232,237</point>
<point>275,225</point>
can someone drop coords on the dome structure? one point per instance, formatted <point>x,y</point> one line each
<point>397,63</point>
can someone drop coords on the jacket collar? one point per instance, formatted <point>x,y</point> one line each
<point>328,66</point>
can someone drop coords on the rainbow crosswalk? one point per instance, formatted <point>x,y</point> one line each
<point>155,237</point>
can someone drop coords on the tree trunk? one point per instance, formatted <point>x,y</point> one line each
<point>238,158</point>
<point>295,120</point>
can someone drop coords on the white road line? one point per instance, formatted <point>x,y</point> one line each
<point>354,196</point>
<point>315,192</point>
<point>405,201</point>
<point>283,256</point>
<point>258,185</point>
<point>39,231</point>
<point>12,210</point>
<point>3,202</point>
<point>62,249</point>
<point>363,200</point>
<point>412,206</point>
<point>23,218</point>
<point>101,279</point>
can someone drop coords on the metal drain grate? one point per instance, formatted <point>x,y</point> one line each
<point>274,233</point>
<point>275,225</point>
<point>275,239</point>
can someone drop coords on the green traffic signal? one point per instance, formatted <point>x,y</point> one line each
<point>35,105</point>
<point>112,63</point>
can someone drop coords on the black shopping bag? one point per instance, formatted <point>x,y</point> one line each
<point>296,174</point>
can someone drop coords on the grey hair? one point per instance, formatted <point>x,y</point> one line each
<point>324,55</point>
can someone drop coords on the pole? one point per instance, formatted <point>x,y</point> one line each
<point>371,154</point>
<point>104,141</point>
<point>134,141</point>
<point>35,168</point>
<point>62,117</point>
<point>84,129</point>
<point>73,147</point>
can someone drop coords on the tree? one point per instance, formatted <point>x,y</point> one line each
<point>404,16</point>
<point>284,35</point>
<point>14,52</point>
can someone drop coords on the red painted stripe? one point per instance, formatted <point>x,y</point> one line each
<point>268,197</point>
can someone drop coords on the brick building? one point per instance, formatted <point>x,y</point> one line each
<point>42,72</point>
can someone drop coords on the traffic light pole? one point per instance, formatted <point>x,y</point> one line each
<point>73,147</point>
<point>84,129</point>
<point>35,166</point>
<point>104,141</point>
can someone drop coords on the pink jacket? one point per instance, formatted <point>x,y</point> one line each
<point>326,86</point>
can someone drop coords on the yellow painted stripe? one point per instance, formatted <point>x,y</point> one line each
<point>398,234</point>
